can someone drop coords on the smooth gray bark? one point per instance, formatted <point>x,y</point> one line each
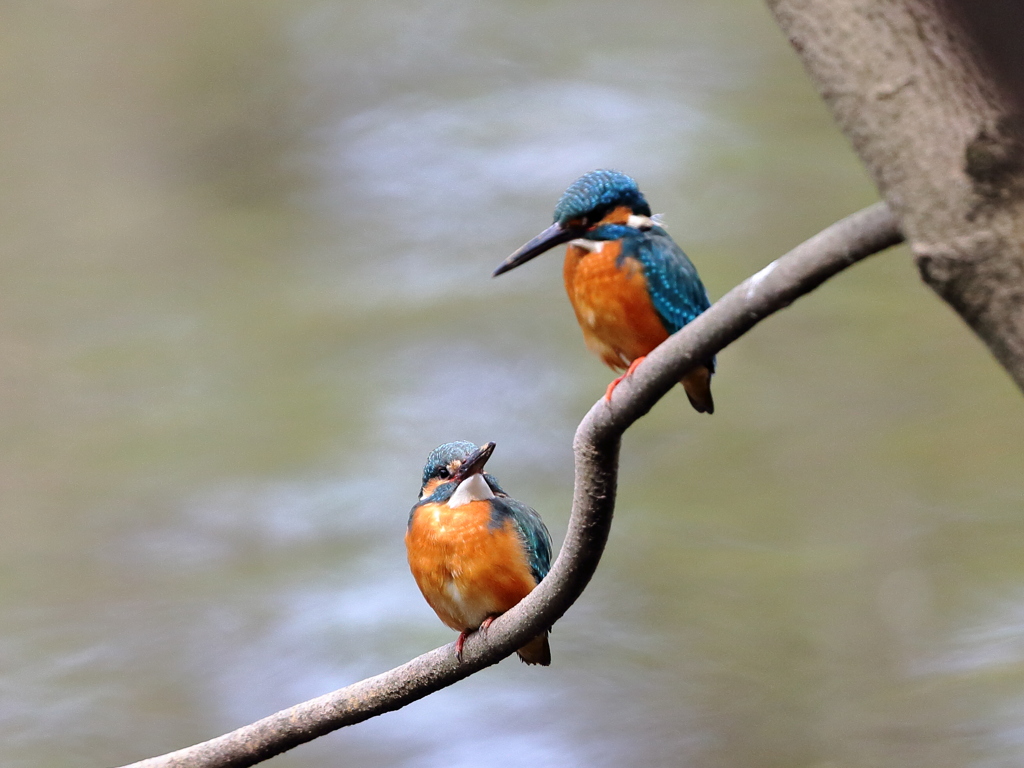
<point>939,130</point>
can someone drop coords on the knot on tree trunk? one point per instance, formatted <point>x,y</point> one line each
<point>994,159</point>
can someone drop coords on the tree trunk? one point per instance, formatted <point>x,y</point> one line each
<point>940,131</point>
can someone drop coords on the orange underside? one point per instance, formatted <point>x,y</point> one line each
<point>612,304</point>
<point>467,570</point>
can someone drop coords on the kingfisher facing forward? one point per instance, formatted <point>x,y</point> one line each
<point>630,285</point>
<point>474,550</point>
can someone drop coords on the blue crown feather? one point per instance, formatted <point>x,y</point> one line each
<point>594,194</point>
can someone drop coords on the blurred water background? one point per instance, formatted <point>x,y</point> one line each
<point>245,252</point>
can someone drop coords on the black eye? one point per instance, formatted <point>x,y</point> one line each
<point>443,473</point>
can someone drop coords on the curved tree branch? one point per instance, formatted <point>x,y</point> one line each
<point>597,453</point>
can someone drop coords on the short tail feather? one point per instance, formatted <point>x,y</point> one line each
<point>697,384</point>
<point>537,651</point>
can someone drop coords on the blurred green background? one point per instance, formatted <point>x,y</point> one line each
<point>245,252</point>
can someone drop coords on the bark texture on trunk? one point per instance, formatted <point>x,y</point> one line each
<point>940,130</point>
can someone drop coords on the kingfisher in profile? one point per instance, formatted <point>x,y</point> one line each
<point>474,550</point>
<point>630,285</point>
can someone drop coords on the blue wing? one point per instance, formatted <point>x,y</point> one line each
<point>533,531</point>
<point>677,293</point>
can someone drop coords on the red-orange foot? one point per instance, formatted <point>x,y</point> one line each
<point>461,642</point>
<point>466,632</point>
<point>614,384</point>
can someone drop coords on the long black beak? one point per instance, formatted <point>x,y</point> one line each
<point>546,240</point>
<point>474,463</point>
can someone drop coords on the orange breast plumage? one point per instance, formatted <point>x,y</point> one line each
<point>611,302</point>
<point>467,567</point>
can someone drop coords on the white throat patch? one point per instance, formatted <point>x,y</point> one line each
<point>594,246</point>
<point>473,488</point>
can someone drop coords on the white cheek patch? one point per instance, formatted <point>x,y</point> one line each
<point>473,488</point>
<point>637,221</point>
